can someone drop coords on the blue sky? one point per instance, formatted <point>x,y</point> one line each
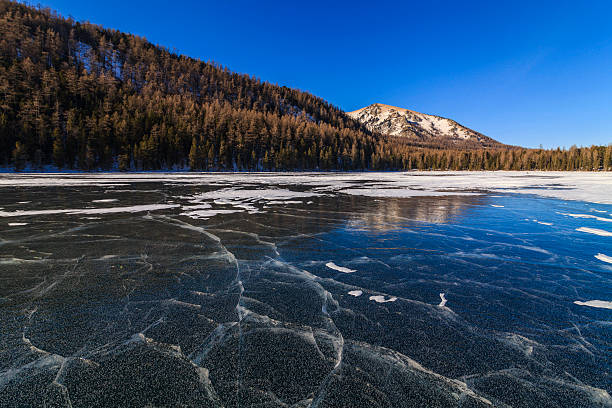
<point>520,72</point>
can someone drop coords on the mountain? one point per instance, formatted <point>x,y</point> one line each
<point>78,95</point>
<point>419,127</point>
<point>75,95</point>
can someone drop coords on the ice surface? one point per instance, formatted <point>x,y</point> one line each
<point>213,290</point>
<point>582,186</point>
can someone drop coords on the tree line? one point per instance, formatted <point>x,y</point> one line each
<point>78,96</point>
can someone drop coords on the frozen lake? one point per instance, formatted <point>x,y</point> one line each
<point>298,290</point>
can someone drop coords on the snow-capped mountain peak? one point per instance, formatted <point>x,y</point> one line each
<point>419,127</point>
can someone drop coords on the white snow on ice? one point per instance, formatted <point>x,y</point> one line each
<point>498,206</point>
<point>355,293</point>
<point>382,299</point>
<point>443,302</point>
<point>17,224</point>
<point>280,202</point>
<point>603,304</point>
<point>245,199</point>
<point>203,214</point>
<point>595,231</point>
<point>582,186</point>
<point>604,258</point>
<point>76,211</point>
<point>105,200</point>
<point>335,267</point>
<point>587,216</point>
<point>542,222</point>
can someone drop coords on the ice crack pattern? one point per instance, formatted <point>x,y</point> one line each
<point>342,290</point>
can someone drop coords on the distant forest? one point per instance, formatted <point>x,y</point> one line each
<point>79,96</point>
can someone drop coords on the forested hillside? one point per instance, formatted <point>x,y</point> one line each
<point>77,95</point>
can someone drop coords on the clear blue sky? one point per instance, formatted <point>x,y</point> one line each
<point>522,72</point>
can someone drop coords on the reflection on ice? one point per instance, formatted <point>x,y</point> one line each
<point>402,193</point>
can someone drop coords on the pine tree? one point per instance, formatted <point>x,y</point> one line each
<point>194,162</point>
<point>20,156</point>
<point>59,154</point>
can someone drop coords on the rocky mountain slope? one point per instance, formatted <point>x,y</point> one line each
<point>420,127</point>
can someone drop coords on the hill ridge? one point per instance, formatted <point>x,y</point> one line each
<point>419,127</point>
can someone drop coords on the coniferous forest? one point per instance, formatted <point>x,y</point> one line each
<point>78,96</point>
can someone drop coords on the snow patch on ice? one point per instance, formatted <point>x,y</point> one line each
<point>587,216</point>
<point>202,206</point>
<point>604,258</point>
<point>581,186</point>
<point>203,214</point>
<point>382,299</point>
<point>17,224</point>
<point>105,200</point>
<point>498,206</point>
<point>356,293</point>
<point>342,269</point>
<point>443,302</point>
<point>277,202</point>
<point>246,199</point>
<point>595,231</point>
<point>542,222</point>
<point>602,304</point>
<point>78,211</point>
